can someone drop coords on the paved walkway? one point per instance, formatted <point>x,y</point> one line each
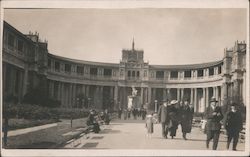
<point>131,134</point>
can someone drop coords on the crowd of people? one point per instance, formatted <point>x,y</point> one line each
<point>174,113</point>
<point>135,112</point>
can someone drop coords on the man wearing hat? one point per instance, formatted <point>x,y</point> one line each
<point>163,118</point>
<point>233,124</point>
<point>213,115</point>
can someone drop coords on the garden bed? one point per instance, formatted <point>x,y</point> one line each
<point>14,123</point>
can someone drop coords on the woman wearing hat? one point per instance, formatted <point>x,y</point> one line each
<point>173,124</point>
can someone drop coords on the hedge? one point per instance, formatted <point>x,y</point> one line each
<point>28,111</point>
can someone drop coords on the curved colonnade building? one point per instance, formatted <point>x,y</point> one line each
<point>28,65</point>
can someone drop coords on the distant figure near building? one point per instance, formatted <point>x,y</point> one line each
<point>213,115</point>
<point>233,124</point>
<point>125,114</point>
<point>149,124</point>
<point>119,113</point>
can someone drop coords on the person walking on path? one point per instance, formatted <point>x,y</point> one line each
<point>174,120</point>
<point>163,118</point>
<point>214,116</point>
<point>233,124</point>
<point>149,125</point>
<point>186,117</point>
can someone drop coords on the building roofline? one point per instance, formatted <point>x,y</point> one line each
<point>177,67</point>
<point>188,66</point>
<point>77,61</point>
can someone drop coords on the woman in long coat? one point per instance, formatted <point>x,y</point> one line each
<point>186,117</point>
<point>172,112</point>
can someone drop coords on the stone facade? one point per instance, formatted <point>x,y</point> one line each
<point>77,83</point>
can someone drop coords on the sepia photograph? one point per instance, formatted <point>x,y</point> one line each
<point>103,78</point>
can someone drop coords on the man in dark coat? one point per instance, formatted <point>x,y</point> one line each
<point>233,124</point>
<point>186,117</point>
<point>173,116</point>
<point>213,115</point>
<point>163,118</point>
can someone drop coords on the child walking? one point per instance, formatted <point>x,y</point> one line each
<point>149,125</point>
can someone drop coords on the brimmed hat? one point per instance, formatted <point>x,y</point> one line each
<point>213,99</point>
<point>173,102</point>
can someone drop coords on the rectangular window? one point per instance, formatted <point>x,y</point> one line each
<point>187,74</point>
<point>67,68</point>
<point>211,71</point>
<point>107,72</point>
<point>80,70</point>
<point>93,71</point>
<point>160,74</point>
<point>219,70</point>
<point>174,74</point>
<point>57,66</point>
<point>20,45</point>
<point>11,40</point>
<point>200,73</point>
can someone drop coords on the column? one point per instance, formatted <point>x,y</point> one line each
<point>168,94</point>
<point>25,81</point>
<point>116,94</point>
<point>52,89</point>
<point>153,91</point>
<point>59,91</point>
<point>100,97</point>
<point>69,96</point>
<point>191,96</point>
<point>224,93</point>
<point>204,99</point>
<point>141,96</point>
<point>83,90</point>
<point>20,88</point>
<point>145,96</point>
<point>62,95</point>
<point>182,93</point>
<point>207,97</point>
<point>178,94</point>
<point>13,80</point>
<point>195,100</point>
<point>149,96</point>
<point>74,95</point>
<point>87,91</point>
<point>164,93</point>
<point>236,90</point>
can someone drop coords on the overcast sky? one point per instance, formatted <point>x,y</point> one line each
<point>167,36</point>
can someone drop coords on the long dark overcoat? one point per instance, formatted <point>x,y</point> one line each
<point>163,114</point>
<point>186,117</point>
<point>213,121</point>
